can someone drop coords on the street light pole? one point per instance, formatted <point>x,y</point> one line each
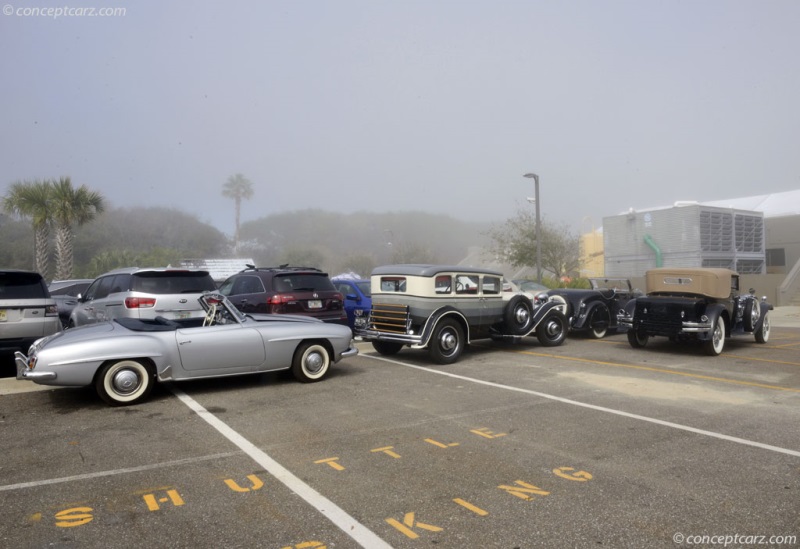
<point>538,226</point>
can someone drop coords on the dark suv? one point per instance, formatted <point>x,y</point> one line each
<point>286,290</point>
<point>27,312</point>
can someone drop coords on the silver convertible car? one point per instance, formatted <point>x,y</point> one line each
<point>124,358</point>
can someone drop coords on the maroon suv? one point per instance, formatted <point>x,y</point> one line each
<point>286,290</point>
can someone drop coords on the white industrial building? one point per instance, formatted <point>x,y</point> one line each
<point>757,235</point>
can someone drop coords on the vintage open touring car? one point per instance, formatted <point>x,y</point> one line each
<point>700,304</point>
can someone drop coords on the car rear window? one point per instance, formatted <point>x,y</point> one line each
<point>303,283</point>
<point>172,282</point>
<point>22,286</point>
<point>393,284</point>
<point>70,290</point>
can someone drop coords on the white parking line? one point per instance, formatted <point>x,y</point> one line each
<point>713,434</point>
<point>98,474</point>
<point>350,526</point>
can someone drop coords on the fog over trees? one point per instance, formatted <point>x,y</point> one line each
<point>157,237</point>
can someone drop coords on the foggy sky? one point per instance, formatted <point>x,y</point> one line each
<point>432,105</point>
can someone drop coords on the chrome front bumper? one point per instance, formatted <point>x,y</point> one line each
<point>696,327</point>
<point>23,372</point>
<point>351,351</point>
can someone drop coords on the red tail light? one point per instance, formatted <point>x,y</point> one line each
<point>140,302</point>
<point>275,304</point>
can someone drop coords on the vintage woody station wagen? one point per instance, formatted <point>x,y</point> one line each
<point>442,308</point>
<point>700,304</point>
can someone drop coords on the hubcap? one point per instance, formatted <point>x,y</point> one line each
<point>125,381</point>
<point>314,362</point>
<point>553,328</point>
<point>448,341</point>
<point>522,315</point>
<point>717,336</point>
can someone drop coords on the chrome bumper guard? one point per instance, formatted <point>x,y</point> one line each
<point>352,351</point>
<point>696,327</point>
<point>23,372</point>
<point>405,339</point>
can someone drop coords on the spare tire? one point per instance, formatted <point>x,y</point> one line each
<point>518,316</point>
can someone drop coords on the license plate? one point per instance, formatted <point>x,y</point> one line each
<point>182,315</point>
<point>3,316</point>
<point>315,304</point>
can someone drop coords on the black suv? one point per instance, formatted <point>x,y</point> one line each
<point>286,290</point>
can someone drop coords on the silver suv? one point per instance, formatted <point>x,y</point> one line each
<point>27,312</point>
<point>143,293</point>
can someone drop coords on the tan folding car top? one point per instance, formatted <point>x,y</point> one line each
<point>716,283</point>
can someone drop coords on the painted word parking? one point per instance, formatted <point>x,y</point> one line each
<point>411,525</point>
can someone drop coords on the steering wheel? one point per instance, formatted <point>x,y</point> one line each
<point>209,319</point>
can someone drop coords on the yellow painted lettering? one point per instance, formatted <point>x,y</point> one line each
<point>388,451</point>
<point>577,476</point>
<point>332,462</point>
<point>257,484</point>
<point>486,433</point>
<point>441,444</point>
<point>473,508</point>
<point>77,516</point>
<point>408,523</point>
<point>523,490</point>
<point>153,502</point>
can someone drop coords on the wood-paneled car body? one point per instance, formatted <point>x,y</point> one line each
<point>442,308</point>
<point>594,311</point>
<point>125,357</point>
<point>701,304</point>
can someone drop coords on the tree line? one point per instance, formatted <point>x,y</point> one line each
<point>88,237</point>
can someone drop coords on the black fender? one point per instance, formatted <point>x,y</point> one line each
<point>630,307</point>
<point>543,311</point>
<point>765,308</point>
<point>590,308</point>
<point>715,311</point>
<point>436,316</point>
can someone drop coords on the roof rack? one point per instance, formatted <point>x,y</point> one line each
<point>284,267</point>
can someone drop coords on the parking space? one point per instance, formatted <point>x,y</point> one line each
<point>592,443</point>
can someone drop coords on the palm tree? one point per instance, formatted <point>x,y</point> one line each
<point>237,187</point>
<point>71,206</point>
<point>32,199</point>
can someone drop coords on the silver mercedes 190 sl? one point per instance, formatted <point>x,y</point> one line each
<point>125,357</point>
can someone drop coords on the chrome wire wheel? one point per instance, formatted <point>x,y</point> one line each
<point>762,334</point>
<point>716,342</point>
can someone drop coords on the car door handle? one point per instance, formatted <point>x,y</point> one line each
<point>185,341</point>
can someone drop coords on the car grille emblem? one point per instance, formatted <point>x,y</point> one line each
<point>182,300</point>
<point>315,295</point>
